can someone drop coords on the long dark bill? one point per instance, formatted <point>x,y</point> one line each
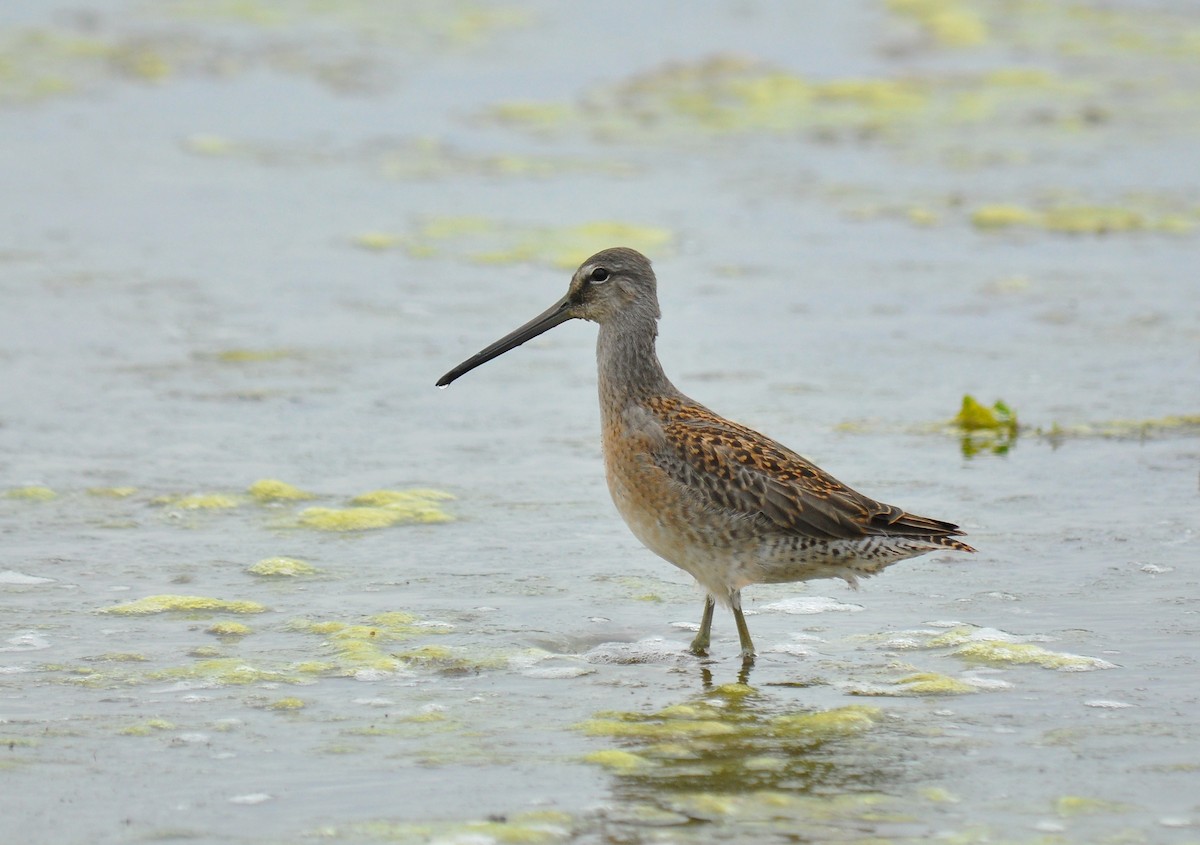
<point>548,319</point>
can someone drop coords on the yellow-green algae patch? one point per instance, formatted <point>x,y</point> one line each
<point>118,657</point>
<point>995,647</point>
<point>33,493</point>
<point>670,728</point>
<point>380,509</point>
<point>229,629</point>
<point>390,498</point>
<point>459,24</point>
<point>150,726</point>
<point>1069,806</point>
<point>933,683</point>
<point>286,704</point>
<point>723,95</point>
<point>200,501</point>
<point>111,492</point>
<point>1002,216</point>
<point>228,671</point>
<point>975,416</point>
<point>431,158</point>
<point>253,356</point>
<point>917,684</point>
<point>536,827</point>
<point>981,428</point>
<point>484,241</point>
<point>617,760</point>
<point>824,817</point>
<point>449,660</point>
<point>1080,219</point>
<point>1181,424</point>
<point>357,646</point>
<point>281,567</point>
<point>1000,652</point>
<point>349,519</point>
<point>378,241</point>
<point>204,652</point>
<point>183,604</point>
<point>827,724</point>
<point>271,490</point>
<point>728,745</point>
<point>951,23</point>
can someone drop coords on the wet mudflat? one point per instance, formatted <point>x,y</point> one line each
<point>261,582</point>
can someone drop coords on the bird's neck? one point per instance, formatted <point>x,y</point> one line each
<point>627,363</point>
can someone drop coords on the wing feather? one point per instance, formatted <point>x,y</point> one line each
<point>736,469</point>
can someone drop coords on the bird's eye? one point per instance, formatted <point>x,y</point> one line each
<point>599,275</point>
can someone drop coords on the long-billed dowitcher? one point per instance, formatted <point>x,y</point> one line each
<point>726,504</point>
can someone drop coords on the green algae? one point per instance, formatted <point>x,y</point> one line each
<point>281,567</point>
<point>33,493</point>
<point>241,355</point>
<point>994,647</point>
<point>828,724</point>
<point>349,519</point>
<point>458,22</point>
<point>147,728</point>
<point>401,498</point>
<point>380,509</point>
<point>727,745</point>
<point>450,660</point>
<point>616,760</point>
<point>1173,424</point>
<point>723,95</point>
<point>920,684</point>
<point>1080,219</point>
<point>933,683</point>
<point>537,827</point>
<point>12,742</point>
<point>182,604</point>
<point>1071,806</point>
<point>228,671</point>
<point>209,145</point>
<point>938,795</point>
<point>999,652</point>
<point>983,429</point>
<point>148,46</point>
<point>660,730</point>
<point>118,657</point>
<point>287,704</point>
<point>360,647</point>
<point>378,241</point>
<point>483,241</point>
<point>1002,216</point>
<point>975,416</point>
<point>111,492</point>
<point>203,652</point>
<point>199,501</point>
<point>229,629</point>
<point>431,158</point>
<point>272,490</point>
<point>950,23</point>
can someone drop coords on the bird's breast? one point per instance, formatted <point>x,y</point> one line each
<point>664,515</point>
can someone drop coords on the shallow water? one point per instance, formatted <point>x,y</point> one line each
<point>240,241</point>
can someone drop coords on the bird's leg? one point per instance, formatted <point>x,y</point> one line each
<point>700,644</point>
<point>735,603</point>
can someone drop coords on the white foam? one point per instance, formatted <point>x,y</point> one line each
<point>806,605</point>
<point>11,576</point>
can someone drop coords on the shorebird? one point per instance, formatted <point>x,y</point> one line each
<point>726,504</point>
